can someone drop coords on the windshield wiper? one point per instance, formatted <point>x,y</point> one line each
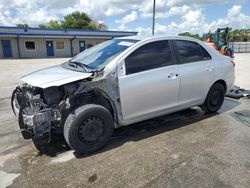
<point>78,64</point>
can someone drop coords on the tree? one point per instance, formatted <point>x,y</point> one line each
<point>99,26</point>
<point>102,26</point>
<point>239,35</point>
<point>43,26</point>
<point>54,24</point>
<point>75,20</point>
<point>187,34</point>
<point>22,25</point>
<point>51,24</point>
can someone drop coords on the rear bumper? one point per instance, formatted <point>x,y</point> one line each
<point>230,80</point>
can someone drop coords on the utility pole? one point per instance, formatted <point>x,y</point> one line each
<point>153,24</point>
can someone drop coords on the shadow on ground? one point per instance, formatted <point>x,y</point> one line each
<point>146,129</point>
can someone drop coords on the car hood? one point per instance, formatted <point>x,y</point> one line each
<point>53,76</point>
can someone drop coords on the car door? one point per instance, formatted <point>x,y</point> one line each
<point>150,83</point>
<point>196,70</point>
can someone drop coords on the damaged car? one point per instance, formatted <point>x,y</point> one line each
<point>118,83</point>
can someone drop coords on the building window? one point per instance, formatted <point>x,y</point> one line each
<point>30,45</point>
<point>59,45</point>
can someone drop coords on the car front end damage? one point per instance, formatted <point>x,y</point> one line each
<point>38,110</point>
<point>48,101</point>
<point>42,112</point>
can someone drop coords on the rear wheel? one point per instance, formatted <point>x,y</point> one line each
<point>215,98</point>
<point>88,128</point>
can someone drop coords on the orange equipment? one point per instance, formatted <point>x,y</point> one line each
<point>219,41</point>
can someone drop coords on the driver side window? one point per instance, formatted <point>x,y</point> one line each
<point>150,56</point>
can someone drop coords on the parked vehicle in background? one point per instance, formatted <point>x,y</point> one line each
<point>117,83</point>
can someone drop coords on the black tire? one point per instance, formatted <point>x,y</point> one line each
<point>41,144</point>
<point>50,144</point>
<point>215,98</point>
<point>88,128</point>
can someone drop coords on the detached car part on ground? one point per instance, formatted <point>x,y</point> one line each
<point>236,93</point>
<point>117,83</point>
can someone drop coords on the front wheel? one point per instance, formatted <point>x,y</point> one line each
<point>42,144</point>
<point>88,128</point>
<point>215,98</point>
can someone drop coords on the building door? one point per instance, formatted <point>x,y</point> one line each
<point>50,48</point>
<point>82,45</point>
<point>7,52</point>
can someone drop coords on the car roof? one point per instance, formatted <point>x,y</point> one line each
<point>162,36</point>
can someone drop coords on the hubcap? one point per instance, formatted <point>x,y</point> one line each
<point>91,130</point>
<point>215,98</point>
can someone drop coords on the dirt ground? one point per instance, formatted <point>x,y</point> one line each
<point>184,149</point>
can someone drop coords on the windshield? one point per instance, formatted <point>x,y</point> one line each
<point>97,57</point>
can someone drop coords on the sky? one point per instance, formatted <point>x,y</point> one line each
<point>172,16</point>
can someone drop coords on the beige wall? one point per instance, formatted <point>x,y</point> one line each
<point>75,44</point>
<point>40,48</point>
<point>41,51</point>
<point>66,52</point>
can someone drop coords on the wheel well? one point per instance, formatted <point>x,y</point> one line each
<point>94,97</point>
<point>104,101</point>
<point>222,82</point>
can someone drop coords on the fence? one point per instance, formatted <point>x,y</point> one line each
<point>240,47</point>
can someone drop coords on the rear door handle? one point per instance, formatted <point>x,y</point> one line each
<point>209,69</point>
<point>172,75</point>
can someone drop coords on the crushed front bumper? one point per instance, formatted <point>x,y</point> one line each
<point>34,118</point>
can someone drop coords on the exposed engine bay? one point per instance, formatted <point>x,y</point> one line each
<point>42,111</point>
<point>38,110</point>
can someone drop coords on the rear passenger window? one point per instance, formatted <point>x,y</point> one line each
<point>205,54</point>
<point>191,51</point>
<point>150,56</point>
